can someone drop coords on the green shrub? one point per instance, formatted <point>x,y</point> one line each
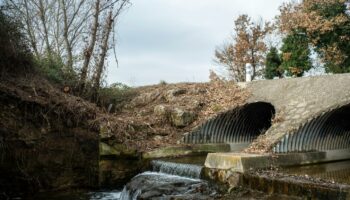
<point>15,55</point>
<point>162,82</point>
<point>217,108</point>
<point>116,95</point>
<point>53,69</point>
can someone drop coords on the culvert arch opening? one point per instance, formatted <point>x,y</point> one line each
<point>329,131</point>
<point>240,125</point>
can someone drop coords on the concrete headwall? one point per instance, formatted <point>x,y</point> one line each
<point>309,113</point>
<point>298,102</point>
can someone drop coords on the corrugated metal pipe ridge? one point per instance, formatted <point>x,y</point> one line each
<point>330,131</point>
<point>240,125</point>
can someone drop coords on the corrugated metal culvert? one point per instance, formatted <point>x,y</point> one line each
<point>241,125</point>
<point>330,131</point>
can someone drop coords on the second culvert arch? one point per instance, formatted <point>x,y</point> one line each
<point>329,131</point>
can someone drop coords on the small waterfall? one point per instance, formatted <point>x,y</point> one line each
<point>128,195</point>
<point>179,169</point>
<point>169,177</point>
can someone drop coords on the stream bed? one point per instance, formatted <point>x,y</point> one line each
<point>180,179</point>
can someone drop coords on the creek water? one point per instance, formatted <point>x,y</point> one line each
<point>170,180</point>
<point>180,179</point>
<point>77,195</point>
<point>338,172</point>
<point>177,178</point>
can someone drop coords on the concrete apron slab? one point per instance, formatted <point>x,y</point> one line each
<point>175,151</point>
<point>193,149</point>
<point>241,162</point>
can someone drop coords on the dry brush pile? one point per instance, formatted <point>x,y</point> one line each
<point>159,115</point>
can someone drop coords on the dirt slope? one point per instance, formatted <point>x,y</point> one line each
<point>159,115</point>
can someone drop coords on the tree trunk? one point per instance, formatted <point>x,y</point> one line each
<point>69,64</point>
<point>46,33</point>
<point>104,48</point>
<point>30,31</point>
<point>253,64</point>
<point>89,50</point>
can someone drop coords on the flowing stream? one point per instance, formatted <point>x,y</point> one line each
<point>169,180</point>
<point>180,179</point>
<point>179,169</point>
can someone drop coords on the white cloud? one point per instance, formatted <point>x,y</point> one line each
<point>174,40</point>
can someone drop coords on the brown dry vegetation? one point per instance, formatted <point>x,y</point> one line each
<point>138,124</point>
<point>47,138</point>
<point>32,89</point>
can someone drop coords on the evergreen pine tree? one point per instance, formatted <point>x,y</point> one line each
<point>327,26</point>
<point>296,54</point>
<point>273,63</point>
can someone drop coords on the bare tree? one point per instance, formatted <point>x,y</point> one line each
<point>228,57</point>
<point>79,32</point>
<point>114,9</point>
<point>90,48</point>
<point>29,28</point>
<point>58,25</point>
<point>43,10</point>
<point>75,15</point>
<point>104,48</point>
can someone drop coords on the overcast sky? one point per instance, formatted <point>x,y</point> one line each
<point>174,40</point>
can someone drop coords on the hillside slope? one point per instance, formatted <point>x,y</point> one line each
<point>159,115</point>
<point>50,139</point>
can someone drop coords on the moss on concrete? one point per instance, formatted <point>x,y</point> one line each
<point>175,151</point>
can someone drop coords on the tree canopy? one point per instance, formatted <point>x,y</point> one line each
<point>247,47</point>
<point>326,24</point>
<point>273,64</point>
<point>322,26</point>
<point>70,37</point>
<point>295,54</point>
